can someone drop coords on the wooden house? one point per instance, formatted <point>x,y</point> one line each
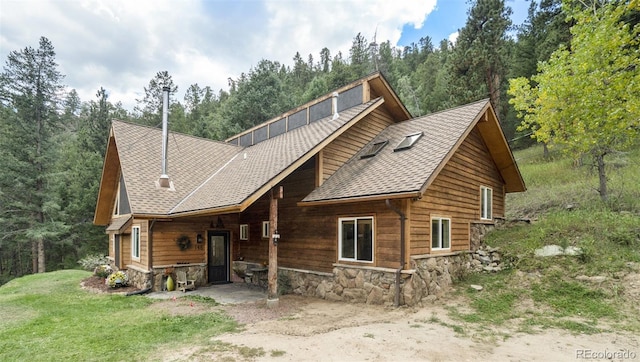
<point>376,205</point>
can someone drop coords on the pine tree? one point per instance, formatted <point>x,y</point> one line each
<point>29,88</point>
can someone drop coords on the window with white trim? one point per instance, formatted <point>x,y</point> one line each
<point>355,239</point>
<point>440,233</point>
<point>486,203</point>
<point>244,232</point>
<point>265,229</point>
<point>135,242</point>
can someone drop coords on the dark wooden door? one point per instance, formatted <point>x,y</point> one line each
<point>218,256</point>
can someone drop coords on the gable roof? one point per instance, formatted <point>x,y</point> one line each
<point>212,177</point>
<point>407,173</point>
<point>208,176</point>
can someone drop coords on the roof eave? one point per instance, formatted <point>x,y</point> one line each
<point>106,194</point>
<point>378,197</point>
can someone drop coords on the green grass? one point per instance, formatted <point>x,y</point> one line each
<point>53,319</point>
<point>543,292</point>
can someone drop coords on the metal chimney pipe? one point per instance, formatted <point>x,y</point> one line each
<point>334,105</point>
<point>164,177</point>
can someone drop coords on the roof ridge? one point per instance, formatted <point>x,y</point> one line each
<point>175,133</point>
<point>484,100</point>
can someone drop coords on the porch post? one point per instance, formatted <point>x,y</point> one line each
<point>272,294</point>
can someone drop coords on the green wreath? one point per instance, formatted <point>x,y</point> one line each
<point>183,242</point>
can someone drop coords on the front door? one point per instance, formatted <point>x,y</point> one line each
<point>218,256</point>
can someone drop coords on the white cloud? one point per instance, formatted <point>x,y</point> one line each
<point>453,37</point>
<point>121,44</point>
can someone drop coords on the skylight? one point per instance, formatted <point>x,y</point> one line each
<point>374,149</point>
<point>408,141</point>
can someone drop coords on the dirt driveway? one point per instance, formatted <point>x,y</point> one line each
<point>307,329</point>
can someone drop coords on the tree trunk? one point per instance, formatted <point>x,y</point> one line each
<point>602,177</point>
<point>41,264</point>
<point>545,150</point>
<point>34,257</point>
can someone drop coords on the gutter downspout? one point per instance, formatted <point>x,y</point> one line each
<point>396,301</point>
<point>150,253</point>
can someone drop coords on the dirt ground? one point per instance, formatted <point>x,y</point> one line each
<point>308,329</point>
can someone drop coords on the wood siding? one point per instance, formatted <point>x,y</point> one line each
<point>455,193</point>
<point>309,235</point>
<point>349,143</point>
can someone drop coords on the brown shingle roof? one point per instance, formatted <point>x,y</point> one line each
<point>404,171</point>
<point>257,165</point>
<point>208,174</point>
<point>191,161</point>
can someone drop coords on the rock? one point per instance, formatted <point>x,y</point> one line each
<point>354,295</point>
<point>351,273</point>
<point>484,259</point>
<point>376,296</point>
<point>359,279</point>
<point>321,290</point>
<point>431,298</point>
<point>488,268</point>
<point>572,250</point>
<point>476,287</point>
<point>549,250</point>
<point>333,297</point>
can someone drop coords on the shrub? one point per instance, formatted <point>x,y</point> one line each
<point>103,271</point>
<point>117,279</point>
<point>91,262</point>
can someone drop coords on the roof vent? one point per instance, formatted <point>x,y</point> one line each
<point>334,105</point>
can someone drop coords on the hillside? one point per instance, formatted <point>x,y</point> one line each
<point>595,291</point>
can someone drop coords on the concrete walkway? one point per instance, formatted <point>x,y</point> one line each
<point>232,293</point>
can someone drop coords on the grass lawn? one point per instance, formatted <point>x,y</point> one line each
<point>48,317</point>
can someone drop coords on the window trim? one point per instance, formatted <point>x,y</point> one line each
<point>373,239</point>
<point>265,229</point>
<point>439,218</point>
<point>486,210</point>
<point>244,232</point>
<point>135,252</point>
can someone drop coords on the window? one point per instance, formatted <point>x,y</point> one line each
<point>486,203</point>
<point>135,242</point>
<point>244,232</point>
<point>374,149</point>
<point>408,141</point>
<point>355,238</point>
<point>440,233</point>
<point>265,229</point>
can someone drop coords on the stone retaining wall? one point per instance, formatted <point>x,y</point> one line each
<point>157,278</point>
<point>430,277</point>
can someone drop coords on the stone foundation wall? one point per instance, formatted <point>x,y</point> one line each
<point>157,278</point>
<point>139,278</point>
<point>429,278</point>
<point>194,271</point>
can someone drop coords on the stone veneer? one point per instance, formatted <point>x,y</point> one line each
<point>156,279</point>
<point>430,277</point>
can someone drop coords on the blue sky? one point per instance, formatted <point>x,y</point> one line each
<point>451,15</point>
<point>121,44</point>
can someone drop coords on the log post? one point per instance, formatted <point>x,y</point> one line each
<point>272,293</point>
